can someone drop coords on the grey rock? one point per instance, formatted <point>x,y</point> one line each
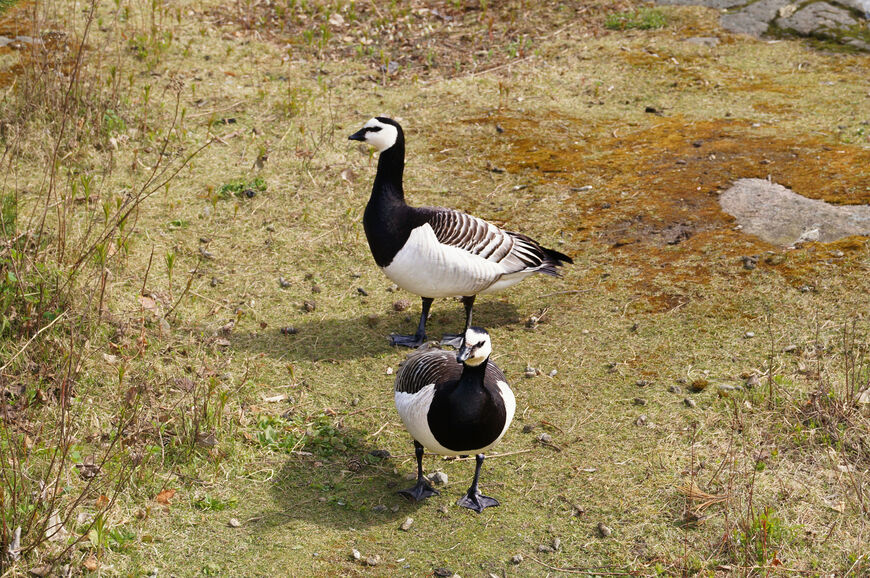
<point>817,18</point>
<point>675,389</point>
<point>379,508</point>
<point>727,388</point>
<point>708,41</point>
<point>545,438</point>
<point>603,530</point>
<point>789,348</point>
<point>752,19</point>
<point>690,403</point>
<point>717,4</point>
<point>557,544</point>
<point>406,525</point>
<point>639,401</point>
<point>753,381</point>
<point>517,559</point>
<point>780,216</point>
<point>438,478</point>
<point>373,560</point>
<point>545,548</point>
<point>642,420</point>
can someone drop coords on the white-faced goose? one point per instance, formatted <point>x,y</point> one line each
<point>437,252</point>
<point>454,403</point>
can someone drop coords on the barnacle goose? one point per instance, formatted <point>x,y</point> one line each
<point>454,403</point>
<point>437,252</point>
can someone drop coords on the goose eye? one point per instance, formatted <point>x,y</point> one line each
<point>374,129</point>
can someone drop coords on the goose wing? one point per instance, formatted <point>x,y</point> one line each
<point>514,251</point>
<point>426,367</point>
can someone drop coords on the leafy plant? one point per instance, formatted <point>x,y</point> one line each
<point>641,19</point>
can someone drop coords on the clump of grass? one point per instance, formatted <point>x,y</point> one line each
<point>641,19</point>
<point>242,188</point>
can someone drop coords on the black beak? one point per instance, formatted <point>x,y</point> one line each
<point>358,135</point>
<point>463,353</point>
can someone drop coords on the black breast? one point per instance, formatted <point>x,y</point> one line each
<point>467,414</point>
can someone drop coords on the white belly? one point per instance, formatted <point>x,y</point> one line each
<point>427,268</point>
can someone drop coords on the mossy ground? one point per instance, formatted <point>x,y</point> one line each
<point>516,130</point>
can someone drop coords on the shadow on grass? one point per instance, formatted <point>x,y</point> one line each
<point>317,339</point>
<point>347,491</point>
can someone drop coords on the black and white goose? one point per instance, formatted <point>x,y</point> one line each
<point>454,403</point>
<point>437,252</point>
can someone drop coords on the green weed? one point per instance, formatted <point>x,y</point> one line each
<point>641,19</point>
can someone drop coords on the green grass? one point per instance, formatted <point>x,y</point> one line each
<point>276,430</point>
<point>641,19</point>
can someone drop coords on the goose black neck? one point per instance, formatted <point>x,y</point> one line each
<point>391,166</point>
<point>473,374</point>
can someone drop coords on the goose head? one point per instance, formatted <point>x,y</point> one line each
<point>476,347</point>
<point>380,132</point>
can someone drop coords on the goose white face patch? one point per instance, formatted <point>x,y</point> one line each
<point>483,343</point>
<point>383,136</point>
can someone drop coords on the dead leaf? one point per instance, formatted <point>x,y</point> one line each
<point>221,342</point>
<point>41,571</point>
<point>91,564</point>
<point>109,358</point>
<point>275,398</point>
<point>348,175</point>
<point>147,303</point>
<point>206,439</point>
<point>164,497</point>
<point>102,502</point>
<point>54,530</point>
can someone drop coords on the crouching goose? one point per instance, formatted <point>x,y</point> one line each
<point>454,403</point>
<point>437,252</point>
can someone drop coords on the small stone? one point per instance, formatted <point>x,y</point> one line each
<point>675,389</point>
<point>443,509</point>
<point>380,507</point>
<point>362,291</point>
<point>284,283</point>
<point>530,372</point>
<point>401,305</point>
<point>443,572</point>
<point>641,383</point>
<point>639,401</point>
<point>41,571</point>
<point>553,373</point>
<point>789,348</point>
<point>690,403</point>
<point>389,371</point>
<point>545,548</point>
<point>316,289</point>
<point>234,523</point>
<point>516,559</point>
<point>354,553</point>
<point>545,438</point>
<point>394,508</point>
<point>406,525</point>
<point>753,381</point>
<point>603,530</point>
<point>750,262</point>
<point>557,544</point>
<point>383,454</point>
<point>775,259</point>
<point>641,421</point>
<point>528,428</point>
<point>373,560</point>
<point>393,288</point>
<point>806,288</point>
<point>438,478</point>
<point>309,306</point>
<point>749,335</point>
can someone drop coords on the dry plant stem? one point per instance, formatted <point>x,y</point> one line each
<point>29,341</point>
<point>587,571</point>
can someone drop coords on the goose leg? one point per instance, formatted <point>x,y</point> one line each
<point>474,500</point>
<point>453,339</point>
<point>418,338</point>
<point>421,490</point>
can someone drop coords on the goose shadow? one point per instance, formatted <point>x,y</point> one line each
<point>346,491</point>
<point>318,339</point>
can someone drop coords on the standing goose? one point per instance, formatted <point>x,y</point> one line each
<point>454,403</point>
<point>437,252</point>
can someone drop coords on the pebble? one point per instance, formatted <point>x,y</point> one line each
<point>641,383</point>
<point>443,572</point>
<point>354,553</point>
<point>384,454</point>
<point>553,373</point>
<point>545,438</point>
<point>789,348</point>
<point>517,559</point>
<point>284,283</point>
<point>557,544</point>
<point>309,306</point>
<point>749,335</point>
<point>675,389</point>
<point>406,525</point>
<point>639,401</point>
<point>641,420</point>
<point>316,289</point>
<point>753,381</point>
<point>604,530</point>
<point>438,478</point>
<point>233,523</point>
<point>443,509</point>
<point>750,262</point>
<point>373,560</point>
<point>401,305</point>
<point>528,428</point>
<point>545,548</point>
<point>380,507</point>
<point>690,403</point>
<point>530,371</point>
<point>362,291</point>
